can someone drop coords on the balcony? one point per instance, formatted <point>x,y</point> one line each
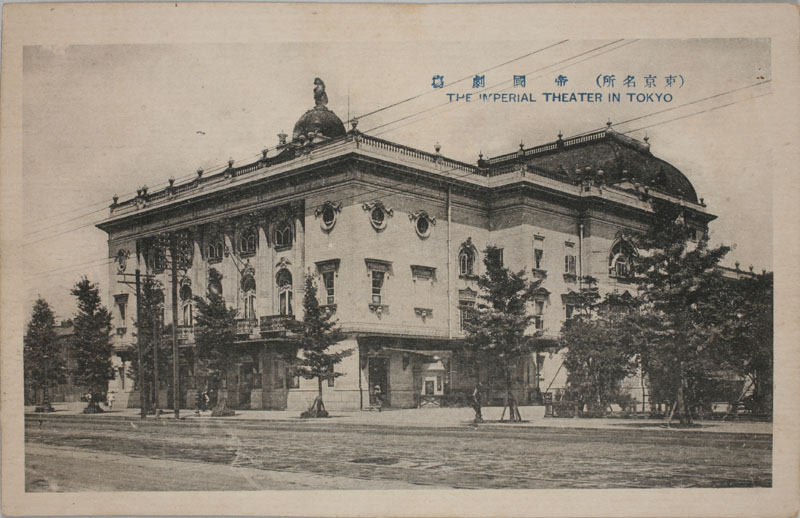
<point>244,327</point>
<point>185,336</point>
<point>273,325</point>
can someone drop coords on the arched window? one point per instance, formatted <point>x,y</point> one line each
<point>284,281</point>
<point>157,259</point>
<point>249,289</point>
<point>283,235</point>
<point>466,261</point>
<point>620,260</point>
<point>247,241</point>
<point>215,250</point>
<point>186,305</point>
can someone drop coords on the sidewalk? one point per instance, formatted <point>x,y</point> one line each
<point>433,418</point>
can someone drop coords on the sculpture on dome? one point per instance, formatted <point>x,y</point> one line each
<point>320,97</point>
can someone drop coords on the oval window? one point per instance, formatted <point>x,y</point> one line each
<point>328,218</point>
<point>377,217</point>
<point>423,227</point>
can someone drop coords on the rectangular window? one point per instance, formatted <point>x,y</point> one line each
<point>538,311</point>
<point>285,302</point>
<point>569,258</point>
<point>497,254</point>
<point>377,287</point>
<point>328,282</point>
<point>331,380</point>
<point>538,252</point>
<point>570,310</point>
<point>187,315</point>
<point>250,307</point>
<point>121,314</point>
<point>463,309</point>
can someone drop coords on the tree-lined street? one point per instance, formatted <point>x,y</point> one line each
<point>79,453</point>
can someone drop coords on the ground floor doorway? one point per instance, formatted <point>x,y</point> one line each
<point>379,380</point>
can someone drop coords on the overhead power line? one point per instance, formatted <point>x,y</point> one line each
<point>378,110</point>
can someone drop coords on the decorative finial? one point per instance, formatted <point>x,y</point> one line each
<point>115,199</point>
<point>763,271</point>
<point>703,202</point>
<point>560,134</point>
<point>646,138</point>
<point>521,144</point>
<point>608,123</point>
<point>480,155</point>
<point>230,163</point>
<point>437,146</point>
<point>264,153</point>
<point>353,123</point>
<point>171,181</point>
<point>282,138</point>
<point>199,172</point>
<point>144,189</point>
<point>751,268</point>
<point>737,264</point>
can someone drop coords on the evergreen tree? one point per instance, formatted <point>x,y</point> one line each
<point>312,338</point>
<point>42,359</point>
<point>92,344</point>
<point>152,333</point>
<point>496,328</point>
<point>214,334</point>
<point>678,280</point>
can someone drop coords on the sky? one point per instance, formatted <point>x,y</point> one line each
<point>100,120</point>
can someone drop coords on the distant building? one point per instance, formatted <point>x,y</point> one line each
<point>396,236</point>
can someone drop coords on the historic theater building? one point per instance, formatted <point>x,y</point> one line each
<point>396,237</point>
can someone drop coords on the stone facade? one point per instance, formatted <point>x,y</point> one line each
<point>395,236</point>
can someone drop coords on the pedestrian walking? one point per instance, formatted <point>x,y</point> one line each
<point>477,399</point>
<point>110,400</point>
<point>378,394</point>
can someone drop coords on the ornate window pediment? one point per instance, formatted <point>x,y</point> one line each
<point>378,265</point>
<point>328,265</point>
<point>467,294</point>
<point>425,273</point>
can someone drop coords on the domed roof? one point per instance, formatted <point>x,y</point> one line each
<point>320,120</point>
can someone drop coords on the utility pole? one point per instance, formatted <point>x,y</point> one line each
<point>137,281</point>
<point>139,346</point>
<point>175,374</point>
<point>155,364</point>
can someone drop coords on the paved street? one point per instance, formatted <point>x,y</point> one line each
<point>82,453</point>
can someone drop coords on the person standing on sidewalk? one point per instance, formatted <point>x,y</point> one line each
<point>110,400</point>
<point>477,399</point>
<point>378,394</point>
